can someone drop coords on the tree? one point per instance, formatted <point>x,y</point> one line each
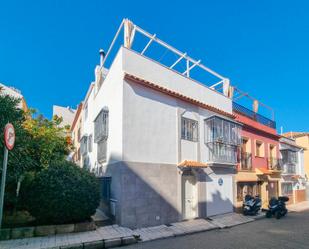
<point>39,142</point>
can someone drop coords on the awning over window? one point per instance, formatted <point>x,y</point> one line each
<point>192,164</point>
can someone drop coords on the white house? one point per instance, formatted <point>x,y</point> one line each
<point>293,181</point>
<point>164,144</point>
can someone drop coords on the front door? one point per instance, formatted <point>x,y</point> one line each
<point>272,189</point>
<point>189,197</point>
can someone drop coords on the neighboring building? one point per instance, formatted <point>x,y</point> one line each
<point>14,93</point>
<point>164,144</point>
<point>302,140</point>
<point>293,182</point>
<point>76,128</point>
<point>66,113</point>
<point>259,168</point>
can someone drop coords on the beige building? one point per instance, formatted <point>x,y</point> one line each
<point>302,139</point>
<point>76,135</point>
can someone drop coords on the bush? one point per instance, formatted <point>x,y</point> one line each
<point>63,193</point>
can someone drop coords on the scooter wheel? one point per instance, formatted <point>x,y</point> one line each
<point>277,215</point>
<point>268,214</point>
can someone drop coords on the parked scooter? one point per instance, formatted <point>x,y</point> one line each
<point>277,207</point>
<point>251,205</point>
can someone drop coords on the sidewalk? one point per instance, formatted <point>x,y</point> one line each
<point>299,207</point>
<point>108,236</point>
<point>112,236</point>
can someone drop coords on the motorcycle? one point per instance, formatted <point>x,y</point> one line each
<point>277,207</point>
<point>251,205</point>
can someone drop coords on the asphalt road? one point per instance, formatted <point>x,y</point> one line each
<point>291,231</point>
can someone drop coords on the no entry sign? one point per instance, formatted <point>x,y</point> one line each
<point>9,136</point>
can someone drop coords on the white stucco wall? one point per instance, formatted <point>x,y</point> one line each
<point>152,71</point>
<point>109,95</point>
<point>144,124</point>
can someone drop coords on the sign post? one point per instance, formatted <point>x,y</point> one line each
<point>9,141</point>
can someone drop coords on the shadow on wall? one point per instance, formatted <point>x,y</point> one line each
<point>144,194</point>
<point>147,194</point>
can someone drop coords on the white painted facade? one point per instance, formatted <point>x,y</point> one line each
<point>145,127</point>
<point>293,171</point>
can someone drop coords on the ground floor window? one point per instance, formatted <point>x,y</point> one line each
<point>247,188</point>
<point>287,188</point>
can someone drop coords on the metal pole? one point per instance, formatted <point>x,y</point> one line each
<point>5,162</point>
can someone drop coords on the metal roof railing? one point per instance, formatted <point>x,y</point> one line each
<point>253,115</point>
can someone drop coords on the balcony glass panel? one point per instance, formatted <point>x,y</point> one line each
<point>222,138</point>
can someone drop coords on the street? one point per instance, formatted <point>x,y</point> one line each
<point>289,232</point>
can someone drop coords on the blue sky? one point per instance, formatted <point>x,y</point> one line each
<point>48,49</point>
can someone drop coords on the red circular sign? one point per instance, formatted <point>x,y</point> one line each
<point>9,136</point>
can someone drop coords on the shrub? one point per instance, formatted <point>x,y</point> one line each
<point>63,193</point>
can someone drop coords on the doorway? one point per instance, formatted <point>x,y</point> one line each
<point>189,196</point>
<point>272,189</point>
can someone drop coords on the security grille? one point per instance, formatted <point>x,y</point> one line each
<point>101,126</point>
<point>84,145</point>
<point>222,137</point>
<point>189,129</point>
<point>102,150</point>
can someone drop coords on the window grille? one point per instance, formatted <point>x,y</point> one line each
<point>222,138</point>
<point>101,126</point>
<point>83,145</point>
<point>189,129</point>
<point>102,150</point>
<point>90,143</point>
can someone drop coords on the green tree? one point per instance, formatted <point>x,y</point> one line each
<point>39,142</point>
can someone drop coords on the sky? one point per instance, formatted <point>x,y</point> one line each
<point>48,49</point>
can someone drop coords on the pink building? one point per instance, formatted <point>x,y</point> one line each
<point>258,168</point>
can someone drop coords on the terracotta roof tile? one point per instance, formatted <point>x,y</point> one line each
<point>192,164</point>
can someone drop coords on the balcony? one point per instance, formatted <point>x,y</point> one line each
<point>246,161</point>
<point>274,164</point>
<point>222,153</point>
<point>289,169</point>
<point>289,156</point>
<point>222,137</point>
<point>253,115</point>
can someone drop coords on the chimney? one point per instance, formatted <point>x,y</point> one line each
<point>102,56</point>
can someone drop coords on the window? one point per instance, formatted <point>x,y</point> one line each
<point>244,145</point>
<point>222,137</point>
<point>222,130</point>
<point>83,145</point>
<point>259,149</point>
<point>189,129</point>
<point>101,126</point>
<point>247,188</point>
<point>90,143</point>
<point>287,188</point>
<point>102,151</point>
<point>289,156</point>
